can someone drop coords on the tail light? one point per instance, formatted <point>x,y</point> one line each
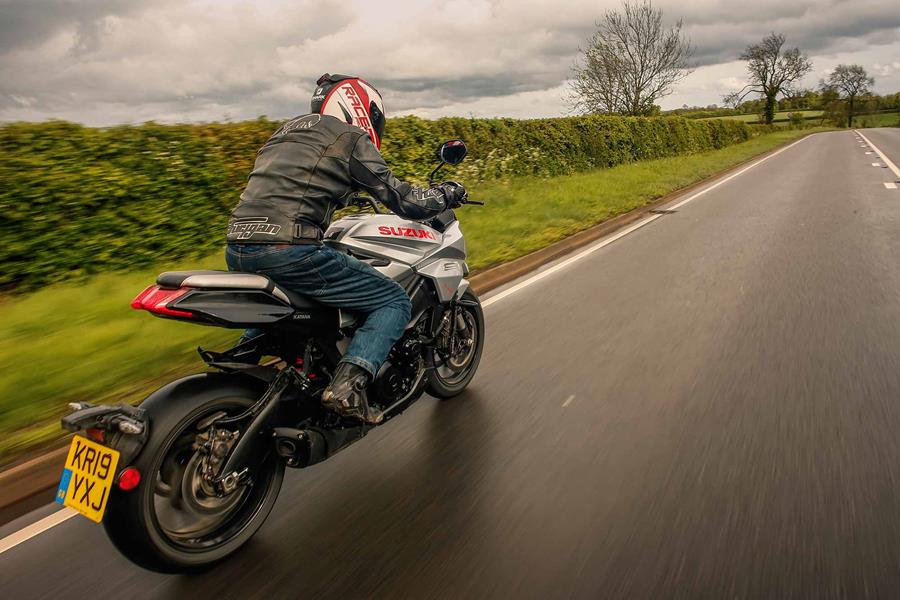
<point>129,479</point>
<point>156,300</point>
<point>98,435</point>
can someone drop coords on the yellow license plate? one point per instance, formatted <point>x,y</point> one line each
<point>87,477</point>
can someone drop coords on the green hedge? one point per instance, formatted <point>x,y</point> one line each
<point>75,201</point>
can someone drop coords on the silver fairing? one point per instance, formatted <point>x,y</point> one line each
<point>405,246</point>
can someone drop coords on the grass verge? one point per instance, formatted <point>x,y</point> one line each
<point>83,342</point>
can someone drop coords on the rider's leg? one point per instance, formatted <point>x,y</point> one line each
<point>339,280</point>
<point>354,285</point>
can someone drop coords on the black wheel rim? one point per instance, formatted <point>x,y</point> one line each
<point>455,367</point>
<point>186,511</point>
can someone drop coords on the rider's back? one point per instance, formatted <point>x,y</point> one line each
<point>301,175</point>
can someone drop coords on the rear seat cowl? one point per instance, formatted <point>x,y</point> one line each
<point>218,280</point>
<point>242,281</point>
<point>174,279</point>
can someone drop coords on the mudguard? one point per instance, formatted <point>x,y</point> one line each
<point>461,290</point>
<point>176,399</point>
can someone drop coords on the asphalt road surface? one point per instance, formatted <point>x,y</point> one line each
<point>708,407</point>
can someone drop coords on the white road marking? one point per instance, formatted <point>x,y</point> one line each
<point>630,229</point>
<point>568,401</point>
<point>876,164</point>
<point>890,185</point>
<point>869,152</point>
<point>37,528</point>
<point>882,156</point>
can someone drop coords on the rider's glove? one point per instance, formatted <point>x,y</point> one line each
<point>454,193</point>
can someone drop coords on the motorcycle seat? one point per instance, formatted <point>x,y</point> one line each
<point>231,280</point>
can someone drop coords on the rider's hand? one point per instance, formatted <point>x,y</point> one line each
<point>454,193</point>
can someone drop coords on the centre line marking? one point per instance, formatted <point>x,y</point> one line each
<point>568,401</point>
<point>882,156</point>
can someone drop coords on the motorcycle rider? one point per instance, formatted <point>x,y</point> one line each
<point>307,169</point>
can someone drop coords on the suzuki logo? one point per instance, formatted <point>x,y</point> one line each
<point>406,232</point>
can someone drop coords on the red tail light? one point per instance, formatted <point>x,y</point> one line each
<point>156,300</point>
<point>129,479</point>
<point>98,435</point>
<point>137,303</point>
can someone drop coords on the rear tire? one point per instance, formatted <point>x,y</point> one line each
<point>132,519</point>
<point>454,375</point>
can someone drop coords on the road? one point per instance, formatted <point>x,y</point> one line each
<point>708,407</point>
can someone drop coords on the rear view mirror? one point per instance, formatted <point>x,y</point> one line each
<point>452,152</point>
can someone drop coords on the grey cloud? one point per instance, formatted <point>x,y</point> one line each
<point>815,27</point>
<point>109,60</point>
<point>27,23</point>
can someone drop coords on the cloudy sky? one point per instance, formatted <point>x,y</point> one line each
<point>115,61</point>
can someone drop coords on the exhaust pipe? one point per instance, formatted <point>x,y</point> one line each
<point>300,447</point>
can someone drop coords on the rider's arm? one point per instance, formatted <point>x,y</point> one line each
<point>369,171</point>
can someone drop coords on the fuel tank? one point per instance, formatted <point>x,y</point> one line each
<point>384,236</point>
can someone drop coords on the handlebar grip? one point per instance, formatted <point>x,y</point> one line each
<point>474,202</point>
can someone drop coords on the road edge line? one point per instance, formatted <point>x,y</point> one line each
<point>35,529</point>
<point>632,228</point>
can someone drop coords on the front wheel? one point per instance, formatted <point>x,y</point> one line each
<point>175,520</point>
<point>459,348</point>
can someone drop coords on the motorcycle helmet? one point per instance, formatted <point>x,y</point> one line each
<point>352,100</point>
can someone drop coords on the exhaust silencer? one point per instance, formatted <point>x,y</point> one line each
<point>300,447</point>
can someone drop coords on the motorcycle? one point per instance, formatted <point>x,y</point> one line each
<point>187,477</point>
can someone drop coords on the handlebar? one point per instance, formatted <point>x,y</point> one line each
<point>364,202</point>
<point>367,202</point>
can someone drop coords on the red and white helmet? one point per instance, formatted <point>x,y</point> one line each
<point>352,100</point>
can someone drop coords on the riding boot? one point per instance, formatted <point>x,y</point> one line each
<point>346,394</point>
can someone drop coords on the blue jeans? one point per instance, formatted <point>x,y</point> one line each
<point>335,279</point>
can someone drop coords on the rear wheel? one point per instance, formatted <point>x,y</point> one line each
<point>175,520</point>
<point>459,349</point>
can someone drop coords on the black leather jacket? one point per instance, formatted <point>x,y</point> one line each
<point>309,168</point>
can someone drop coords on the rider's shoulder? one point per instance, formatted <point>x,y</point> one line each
<point>315,121</point>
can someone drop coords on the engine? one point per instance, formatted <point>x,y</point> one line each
<point>402,374</point>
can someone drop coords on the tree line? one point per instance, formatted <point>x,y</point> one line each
<point>633,60</point>
<point>813,99</point>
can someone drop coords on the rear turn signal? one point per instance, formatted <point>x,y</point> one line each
<point>155,299</point>
<point>128,479</point>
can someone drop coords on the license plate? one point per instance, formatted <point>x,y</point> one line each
<point>87,478</point>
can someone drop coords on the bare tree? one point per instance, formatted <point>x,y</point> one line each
<point>631,61</point>
<point>773,71</point>
<point>851,81</point>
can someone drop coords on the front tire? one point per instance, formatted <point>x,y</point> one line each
<point>455,366</point>
<point>168,524</point>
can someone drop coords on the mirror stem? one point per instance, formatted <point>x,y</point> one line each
<point>433,173</point>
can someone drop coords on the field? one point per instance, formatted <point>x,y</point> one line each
<point>81,341</point>
<point>781,116</point>
<point>887,119</point>
<point>883,119</point>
